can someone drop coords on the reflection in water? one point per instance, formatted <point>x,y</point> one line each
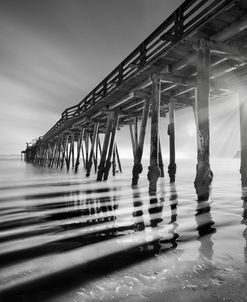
<point>138,211</point>
<point>57,228</point>
<point>205,230</point>
<point>244,220</point>
<point>170,241</point>
<point>155,210</point>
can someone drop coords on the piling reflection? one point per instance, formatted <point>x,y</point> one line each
<point>244,220</point>
<point>205,228</point>
<point>170,241</point>
<point>155,210</point>
<point>127,227</point>
<point>138,211</point>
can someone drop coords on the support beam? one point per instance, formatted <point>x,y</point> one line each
<point>54,153</point>
<point>233,51</point>
<point>243,133</point>
<point>60,152</point>
<point>82,151</point>
<point>161,164</point>
<point>73,150</point>
<point>79,145</point>
<point>90,160</point>
<point>136,131</point>
<point>153,169</point>
<point>87,147</point>
<point>231,30</point>
<point>69,153</point>
<point>137,168</point>
<point>114,160</point>
<point>96,152</point>
<point>65,150</point>
<point>105,145</point>
<point>118,160</point>
<point>203,173</point>
<point>111,146</point>
<point>132,139</point>
<point>171,132</point>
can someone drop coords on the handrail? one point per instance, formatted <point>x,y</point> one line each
<point>187,17</point>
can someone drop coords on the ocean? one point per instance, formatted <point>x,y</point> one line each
<point>65,237</point>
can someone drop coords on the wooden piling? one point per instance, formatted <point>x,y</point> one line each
<point>137,168</point>
<point>153,169</point>
<point>90,160</point>
<point>82,151</point>
<point>171,132</point>
<point>65,150</point>
<point>96,152</point>
<point>72,150</point>
<point>87,148</point>
<point>118,160</point>
<point>79,145</point>
<point>111,146</point>
<point>105,145</point>
<point>243,134</point>
<point>57,142</point>
<point>136,131</point>
<point>161,164</point>
<point>59,152</point>
<point>53,155</point>
<point>69,152</point>
<point>203,173</point>
<point>132,139</point>
<point>114,160</point>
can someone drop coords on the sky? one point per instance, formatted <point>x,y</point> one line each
<point>53,53</point>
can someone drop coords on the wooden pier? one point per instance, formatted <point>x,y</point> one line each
<point>197,55</point>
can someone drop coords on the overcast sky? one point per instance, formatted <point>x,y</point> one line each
<point>53,52</point>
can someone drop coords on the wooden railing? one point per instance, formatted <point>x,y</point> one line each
<point>186,18</point>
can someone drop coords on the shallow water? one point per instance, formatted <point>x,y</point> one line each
<point>64,237</point>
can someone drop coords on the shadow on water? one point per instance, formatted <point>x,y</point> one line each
<point>82,221</point>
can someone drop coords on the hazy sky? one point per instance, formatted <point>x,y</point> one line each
<point>53,52</point>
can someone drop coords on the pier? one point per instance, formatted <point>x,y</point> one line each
<point>196,56</point>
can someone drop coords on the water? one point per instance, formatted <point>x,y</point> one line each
<point>64,237</point>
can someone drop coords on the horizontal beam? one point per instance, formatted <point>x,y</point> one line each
<point>184,81</point>
<point>233,51</point>
<point>231,30</point>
